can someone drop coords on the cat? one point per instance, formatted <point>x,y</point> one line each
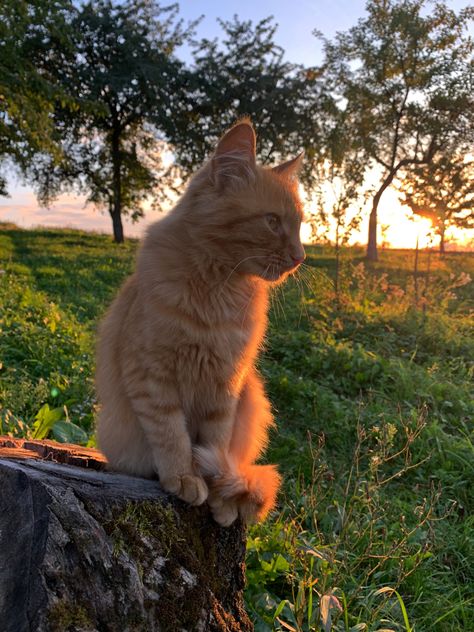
<point>176,381</point>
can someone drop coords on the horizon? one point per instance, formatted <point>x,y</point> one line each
<point>396,230</point>
<point>452,247</point>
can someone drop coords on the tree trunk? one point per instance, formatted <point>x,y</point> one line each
<point>83,550</point>
<point>415,272</point>
<point>117,226</point>
<point>372,254</point>
<point>336,278</point>
<point>427,283</point>
<point>442,250</point>
<point>116,212</point>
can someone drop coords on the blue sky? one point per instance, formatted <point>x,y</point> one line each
<point>296,21</point>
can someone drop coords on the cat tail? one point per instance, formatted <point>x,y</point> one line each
<point>252,487</point>
<point>220,469</point>
<point>263,483</point>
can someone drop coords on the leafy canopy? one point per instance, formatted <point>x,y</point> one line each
<point>443,192</point>
<point>245,73</point>
<point>128,81</point>
<point>34,40</point>
<point>404,75</point>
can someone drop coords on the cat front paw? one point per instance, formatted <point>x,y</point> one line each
<point>190,488</point>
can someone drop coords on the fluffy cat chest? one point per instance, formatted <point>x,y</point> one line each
<point>212,355</point>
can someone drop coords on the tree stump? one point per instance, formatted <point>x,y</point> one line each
<point>86,550</point>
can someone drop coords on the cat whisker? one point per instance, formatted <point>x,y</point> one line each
<point>251,298</point>
<point>301,278</point>
<point>305,279</point>
<point>299,282</point>
<point>276,295</point>
<point>235,268</point>
<point>314,273</point>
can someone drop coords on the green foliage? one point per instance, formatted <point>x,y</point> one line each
<point>67,432</point>
<point>52,290</point>
<point>373,405</point>
<point>373,401</point>
<point>33,39</point>
<point>50,422</point>
<point>45,420</point>
<point>128,82</point>
<point>244,73</point>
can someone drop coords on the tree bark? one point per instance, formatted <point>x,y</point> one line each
<point>117,185</point>
<point>84,550</point>
<point>117,227</point>
<point>442,250</point>
<point>336,276</point>
<point>415,272</point>
<point>372,254</point>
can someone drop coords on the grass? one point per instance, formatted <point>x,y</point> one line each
<point>372,391</point>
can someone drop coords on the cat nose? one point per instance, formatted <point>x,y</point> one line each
<point>298,257</point>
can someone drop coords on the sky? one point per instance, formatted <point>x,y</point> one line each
<point>296,22</point>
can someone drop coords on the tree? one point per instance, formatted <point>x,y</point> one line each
<point>405,78</point>
<point>129,83</point>
<point>139,103</point>
<point>33,43</point>
<point>442,191</point>
<point>340,175</point>
<point>245,73</point>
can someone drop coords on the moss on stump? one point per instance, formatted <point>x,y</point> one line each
<point>84,550</point>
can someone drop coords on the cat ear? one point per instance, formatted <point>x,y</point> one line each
<point>234,158</point>
<point>290,168</point>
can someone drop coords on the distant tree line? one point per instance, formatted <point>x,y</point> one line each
<point>96,98</point>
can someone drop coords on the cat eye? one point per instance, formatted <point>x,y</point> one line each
<point>273,221</point>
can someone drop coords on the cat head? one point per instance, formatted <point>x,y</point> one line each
<point>245,215</point>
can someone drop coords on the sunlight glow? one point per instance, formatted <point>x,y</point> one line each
<point>406,232</point>
<point>305,233</point>
<point>396,230</point>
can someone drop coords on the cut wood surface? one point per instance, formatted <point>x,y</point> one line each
<point>84,550</point>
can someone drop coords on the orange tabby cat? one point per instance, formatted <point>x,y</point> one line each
<point>179,393</point>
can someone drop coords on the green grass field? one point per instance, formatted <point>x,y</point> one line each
<point>373,395</point>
